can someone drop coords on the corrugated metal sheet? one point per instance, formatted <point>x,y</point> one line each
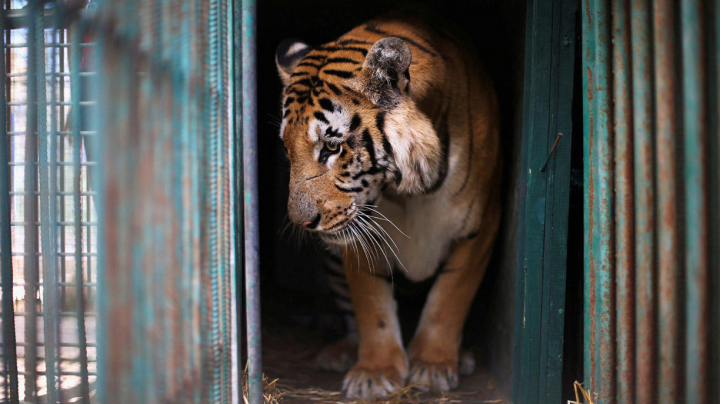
<point>650,120</point>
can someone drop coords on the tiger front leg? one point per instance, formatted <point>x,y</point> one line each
<point>382,365</point>
<point>435,348</point>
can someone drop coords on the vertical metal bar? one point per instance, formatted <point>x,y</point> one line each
<point>46,164</point>
<point>250,196</point>
<point>644,191</point>
<point>75,92</point>
<point>603,231</point>
<point>624,220</point>
<point>667,187</point>
<point>211,216</point>
<point>8,312</point>
<point>237,105</point>
<point>697,308</point>
<point>31,210</point>
<point>588,55</point>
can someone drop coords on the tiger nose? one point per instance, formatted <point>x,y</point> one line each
<point>311,225</point>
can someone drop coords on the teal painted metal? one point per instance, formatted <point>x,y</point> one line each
<point>166,185</point>
<point>644,192</point>
<point>48,214</point>
<point>673,267</point>
<point>237,130</point>
<point>697,307</point>
<point>624,218</point>
<point>250,200</point>
<point>603,175</point>
<point>541,275</point>
<point>666,122</point>
<point>32,261</point>
<point>589,208</point>
<point>76,91</point>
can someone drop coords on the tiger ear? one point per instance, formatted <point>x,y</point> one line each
<point>288,55</point>
<point>387,67</point>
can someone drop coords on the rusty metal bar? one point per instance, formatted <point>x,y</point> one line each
<point>697,276</point>
<point>32,261</point>
<point>668,258</point>
<point>75,94</point>
<point>603,233</point>
<point>589,210</point>
<point>644,193</point>
<point>250,193</point>
<point>624,219</point>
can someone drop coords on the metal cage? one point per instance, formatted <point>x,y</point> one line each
<point>120,193</point>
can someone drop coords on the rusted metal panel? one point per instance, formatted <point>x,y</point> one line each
<point>624,209</point>
<point>697,275</point>
<point>668,188</point>
<point>644,191</point>
<point>665,180</point>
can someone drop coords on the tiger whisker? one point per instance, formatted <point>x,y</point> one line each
<point>385,218</point>
<point>377,242</point>
<point>380,234</point>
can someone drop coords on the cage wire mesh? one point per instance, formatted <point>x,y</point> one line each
<point>49,223</point>
<point>116,202</point>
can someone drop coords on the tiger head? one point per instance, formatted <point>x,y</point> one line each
<point>351,131</point>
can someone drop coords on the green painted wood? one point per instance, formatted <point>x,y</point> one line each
<point>542,266</point>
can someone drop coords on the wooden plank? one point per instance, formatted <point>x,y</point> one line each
<point>541,272</point>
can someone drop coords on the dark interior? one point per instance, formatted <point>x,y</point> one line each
<point>296,302</point>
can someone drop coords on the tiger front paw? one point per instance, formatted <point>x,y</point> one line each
<point>366,384</point>
<point>438,376</point>
<point>340,356</point>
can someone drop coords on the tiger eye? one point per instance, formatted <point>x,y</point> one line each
<point>331,146</point>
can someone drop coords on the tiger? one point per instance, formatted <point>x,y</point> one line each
<point>392,133</point>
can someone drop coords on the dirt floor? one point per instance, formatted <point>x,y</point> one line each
<point>288,353</point>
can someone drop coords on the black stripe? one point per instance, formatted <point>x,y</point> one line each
<point>334,258</point>
<point>343,48</point>
<point>288,101</point>
<point>339,73</point>
<point>303,82</point>
<point>357,189</point>
<point>471,138</point>
<point>355,123</point>
<point>444,135</point>
<point>296,74</point>
<point>343,298</point>
<point>334,88</point>
<point>326,104</point>
<point>317,66</point>
<point>330,132</point>
<point>354,42</point>
<point>341,60</point>
<point>369,146</point>
<point>314,57</point>
<point>286,113</point>
<point>321,117</point>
